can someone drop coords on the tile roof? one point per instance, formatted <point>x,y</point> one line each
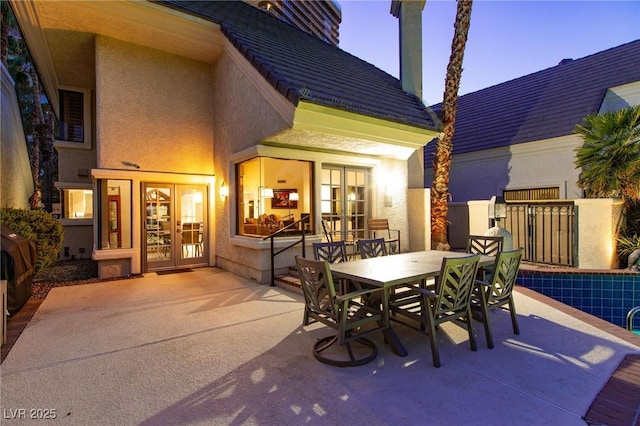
<point>542,105</point>
<point>303,67</point>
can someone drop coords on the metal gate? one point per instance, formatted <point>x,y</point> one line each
<point>545,230</point>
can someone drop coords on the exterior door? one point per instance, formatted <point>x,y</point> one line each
<point>344,201</point>
<point>174,226</point>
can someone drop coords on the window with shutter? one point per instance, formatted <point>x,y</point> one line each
<point>74,127</point>
<point>72,116</point>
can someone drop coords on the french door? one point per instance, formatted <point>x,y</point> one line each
<point>174,226</point>
<point>344,201</point>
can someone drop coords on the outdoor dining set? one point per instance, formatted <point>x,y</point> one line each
<point>364,294</point>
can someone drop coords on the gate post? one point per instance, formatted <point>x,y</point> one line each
<point>597,225</point>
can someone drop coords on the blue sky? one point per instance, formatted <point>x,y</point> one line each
<point>507,39</point>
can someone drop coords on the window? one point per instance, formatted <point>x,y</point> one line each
<point>114,217</point>
<point>265,204</point>
<point>77,203</point>
<point>74,129</point>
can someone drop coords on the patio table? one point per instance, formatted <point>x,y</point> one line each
<point>394,270</point>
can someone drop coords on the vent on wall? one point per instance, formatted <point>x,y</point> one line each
<point>532,194</point>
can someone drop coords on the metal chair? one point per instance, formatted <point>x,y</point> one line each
<point>449,301</point>
<point>347,314</point>
<point>480,244</point>
<point>380,228</point>
<point>372,247</point>
<point>332,252</point>
<point>496,293</point>
<point>487,245</point>
<point>347,236</point>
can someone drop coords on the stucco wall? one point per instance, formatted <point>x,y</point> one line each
<point>481,175</point>
<point>154,109</point>
<point>598,220</point>
<point>243,118</point>
<point>74,165</point>
<point>14,158</point>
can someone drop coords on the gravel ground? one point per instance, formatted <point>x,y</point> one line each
<point>64,273</point>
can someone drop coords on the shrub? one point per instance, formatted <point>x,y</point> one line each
<point>39,227</point>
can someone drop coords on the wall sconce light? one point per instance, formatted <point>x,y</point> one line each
<point>224,190</point>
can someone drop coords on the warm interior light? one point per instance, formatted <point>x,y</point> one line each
<point>267,192</point>
<point>293,196</point>
<point>224,190</point>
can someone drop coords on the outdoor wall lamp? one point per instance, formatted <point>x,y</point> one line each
<point>224,190</point>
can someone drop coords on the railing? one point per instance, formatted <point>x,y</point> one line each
<point>546,230</point>
<point>630,324</point>
<point>279,232</point>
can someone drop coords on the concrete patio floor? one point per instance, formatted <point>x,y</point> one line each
<point>208,347</point>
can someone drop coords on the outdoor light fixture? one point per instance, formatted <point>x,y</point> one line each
<point>224,190</point>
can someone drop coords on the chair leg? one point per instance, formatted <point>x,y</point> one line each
<point>514,319</point>
<point>487,328</point>
<point>472,336</point>
<point>432,337</point>
<point>367,346</point>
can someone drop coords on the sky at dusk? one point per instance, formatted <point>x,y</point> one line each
<point>507,39</point>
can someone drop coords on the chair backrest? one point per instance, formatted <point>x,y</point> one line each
<point>377,225</point>
<point>326,229</point>
<point>332,252</point>
<point>480,244</point>
<point>372,247</point>
<point>504,275</point>
<point>317,286</point>
<point>454,285</point>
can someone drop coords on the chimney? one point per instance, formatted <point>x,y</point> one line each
<point>409,14</point>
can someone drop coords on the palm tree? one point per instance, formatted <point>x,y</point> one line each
<point>8,21</point>
<point>610,154</point>
<point>610,162</point>
<point>444,146</point>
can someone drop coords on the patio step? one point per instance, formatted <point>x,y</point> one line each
<point>289,282</point>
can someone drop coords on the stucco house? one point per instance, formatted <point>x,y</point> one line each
<point>187,125</point>
<point>516,138</point>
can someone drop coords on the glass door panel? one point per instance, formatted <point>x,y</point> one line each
<point>158,226</point>
<point>191,202</point>
<point>175,226</point>
<point>343,201</point>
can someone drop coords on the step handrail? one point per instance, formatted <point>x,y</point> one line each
<point>295,243</point>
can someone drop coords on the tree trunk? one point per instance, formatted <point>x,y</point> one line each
<point>444,146</point>
<point>35,200</point>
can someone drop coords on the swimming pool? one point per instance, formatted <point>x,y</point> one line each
<point>607,295</point>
